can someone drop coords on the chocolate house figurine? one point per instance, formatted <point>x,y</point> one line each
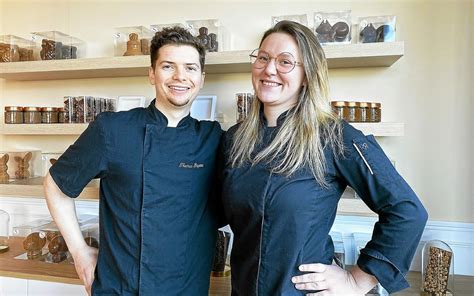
<point>4,177</point>
<point>368,34</point>
<point>33,244</point>
<point>214,45</point>
<point>9,53</point>
<point>203,38</point>
<point>133,45</point>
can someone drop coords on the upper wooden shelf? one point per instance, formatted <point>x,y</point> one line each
<point>339,56</point>
<point>379,129</point>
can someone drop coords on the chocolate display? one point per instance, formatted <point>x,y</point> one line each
<point>33,244</point>
<point>133,45</point>
<point>52,50</point>
<point>340,31</point>
<point>214,44</point>
<point>324,31</point>
<point>337,32</point>
<point>4,177</point>
<point>58,249</point>
<point>9,53</point>
<point>203,38</point>
<point>23,164</point>
<point>437,271</point>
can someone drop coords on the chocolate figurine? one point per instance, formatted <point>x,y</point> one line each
<point>204,38</point>
<point>58,249</point>
<point>324,32</point>
<point>4,177</point>
<point>91,242</point>
<point>22,171</point>
<point>368,34</point>
<point>145,46</point>
<point>67,52</point>
<point>23,54</point>
<point>9,53</point>
<point>133,45</point>
<point>33,244</point>
<point>384,33</point>
<point>48,49</point>
<point>214,45</point>
<point>339,31</point>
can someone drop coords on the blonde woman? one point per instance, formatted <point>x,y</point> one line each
<point>286,167</point>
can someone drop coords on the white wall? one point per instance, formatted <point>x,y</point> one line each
<point>429,88</point>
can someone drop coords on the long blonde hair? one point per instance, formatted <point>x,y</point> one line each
<point>309,126</point>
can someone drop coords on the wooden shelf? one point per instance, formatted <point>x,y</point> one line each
<point>379,129</point>
<point>339,56</point>
<point>33,187</point>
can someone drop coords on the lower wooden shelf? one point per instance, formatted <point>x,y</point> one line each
<point>378,129</point>
<point>33,187</point>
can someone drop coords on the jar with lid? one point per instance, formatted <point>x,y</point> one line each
<point>61,115</point>
<point>437,269</point>
<point>49,115</point>
<point>364,111</point>
<point>13,114</point>
<point>353,112</point>
<point>32,115</point>
<point>375,112</point>
<point>340,108</point>
<point>4,231</point>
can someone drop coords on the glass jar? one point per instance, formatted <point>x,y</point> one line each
<point>340,108</point>
<point>375,112</point>
<point>437,277</point>
<point>364,111</point>
<point>4,231</point>
<point>13,114</point>
<point>62,115</point>
<point>32,115</point>
<point>49,115</point>
<point>353,112</point>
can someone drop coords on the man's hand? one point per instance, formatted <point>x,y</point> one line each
<point>333,280</point>
<point>85,262</point>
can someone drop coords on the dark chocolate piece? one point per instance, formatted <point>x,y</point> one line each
<point>340,31</point>
<point>368,34</point>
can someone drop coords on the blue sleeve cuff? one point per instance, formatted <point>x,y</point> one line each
<point>386,273</point>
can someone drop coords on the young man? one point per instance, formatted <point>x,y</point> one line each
<point>156,164</point>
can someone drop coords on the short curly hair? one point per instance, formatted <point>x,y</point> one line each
<point>175,36</point>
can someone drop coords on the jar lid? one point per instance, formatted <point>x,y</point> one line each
<point>49,109</point>
<point>61,109</point>
<point>339,103</point>
<point>30,109</point>
<point>375,105</point>
<point>364,104</point>
<point>352,104</point>
<point>13,108</point>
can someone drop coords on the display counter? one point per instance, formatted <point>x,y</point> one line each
<point>65,273</point>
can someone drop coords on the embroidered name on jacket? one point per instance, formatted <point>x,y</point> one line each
<point>191,165</point>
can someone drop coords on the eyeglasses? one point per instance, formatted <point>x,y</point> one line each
<point>285,62</point>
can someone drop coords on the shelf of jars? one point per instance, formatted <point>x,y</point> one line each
<point>33,187</point>
<point>381,54</point>
<point>378,129</point>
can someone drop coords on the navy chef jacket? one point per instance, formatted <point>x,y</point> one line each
<point>157,228</point>
<point>280,223</point>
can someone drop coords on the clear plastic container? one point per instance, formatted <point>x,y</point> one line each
<point>56,45</point>
<point>377,29</point>
<point>333,27</point>
<point>437,262</point>
<point>360,240</point>
<point>209,33</point>
<point>159,27</point>
<point>23,164</point>
<point>16,49</point>
<point>129,41</point>
<point>299,18</point>
<point>4,231</point>
<point>83,109</point>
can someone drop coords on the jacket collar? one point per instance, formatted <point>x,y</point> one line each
<point>157,117</point>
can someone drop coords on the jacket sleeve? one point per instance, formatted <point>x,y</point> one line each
<point>402,217</point>
<point>83,161</point>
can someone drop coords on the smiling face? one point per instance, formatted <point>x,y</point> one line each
<point>177,77</point>
<point>272,88</point>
